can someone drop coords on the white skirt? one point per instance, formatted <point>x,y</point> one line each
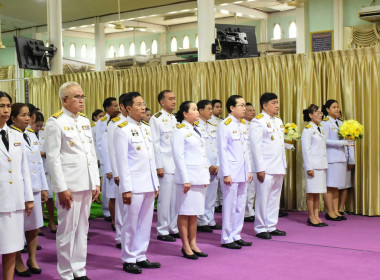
<point>35,220</point>
<point>316,184</point>
<point>11,232</point>
<point>336,175</point>
<point>348,180</point>
<point>111,187</point>
<point>192,202</point>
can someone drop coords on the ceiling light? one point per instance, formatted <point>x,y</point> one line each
<point>131,18</point>
<point>142,17</point>
<point>172,12</point>
<point>110,25</point>
<point>238,2</point>
<point>224,12</point>
<point>251,16</point>
<point>71,28</point>
<point>224,4</point>
<point>185,10</point>
<point>83,26</point>
<point>239,14</point>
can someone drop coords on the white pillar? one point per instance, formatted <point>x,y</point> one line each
<point>206,29</point>
<point>338,24</point>
<point>301,28</point>
<point>19,75</point>
<point>100,46</point>
<point>263,30</point>
<point>54,12</point>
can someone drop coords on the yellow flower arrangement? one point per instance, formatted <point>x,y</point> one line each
<point>291,133</point>
<point>351,130</point>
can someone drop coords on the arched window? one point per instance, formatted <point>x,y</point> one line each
<point>93,54</point>
<point>142,47</point>
<point>121,50</point>
<point>293,30</point>
<point>173,44</point>
<point>277,32</point>
<point>186,42</point>
<point>132,49</point>
<point>196,42</point>
<point>83,51</point>
<point>111,51</point>
<point>72,50</point>
<point>154,47</point>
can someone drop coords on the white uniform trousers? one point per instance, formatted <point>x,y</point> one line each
<point>251,191</point>
<point>105,200</point>
<point>210,198</point>
<point>234,198</point>
<point>219,196</point>
<point>268,194</point>
<point>119,208</point>
<point>49,190</point>
<point>137,223</point>
<point>166,206</point>
<point>71,236</point>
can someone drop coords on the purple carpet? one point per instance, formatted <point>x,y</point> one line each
<point>344,250</point>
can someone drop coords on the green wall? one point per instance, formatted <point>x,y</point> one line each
<point>78,42</point>
<point>148,39</point>
<point>284,22</point>
<point>351,9</point>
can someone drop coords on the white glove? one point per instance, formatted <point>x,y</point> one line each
<point>289,146</point>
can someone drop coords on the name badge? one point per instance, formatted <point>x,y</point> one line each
<point>17,144</point>
<point>86,127</point>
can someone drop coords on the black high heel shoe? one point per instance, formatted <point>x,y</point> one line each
<point>190,257</point>
<point>200,254</point>
<point>25,273</point>
<point>33,270</point>
<point>52,230</point>
<point>313,225</point>
<point>328,217</point>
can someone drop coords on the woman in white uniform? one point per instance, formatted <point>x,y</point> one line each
<point>191,177</point>
<point>336,156</point>
<point>21,117</point>
<point>15,188</point>
<point>314,161</point>
<point>96,115</point>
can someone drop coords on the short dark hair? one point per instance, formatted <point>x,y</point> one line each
<point>4,94</point>
<point>147,109</point>
<point>184,107</point>
<point>127,100</point>
<point>203,103</point>
<point>231,101</point>
<point>121,98</point>
<point>310,110</point>
<point>96,113</point>
<point>15,110</point>
<point>32,109</point>
<point>248,104</point>
<point>161,95</point>
<point>266,97</point>
<point>108,102</point>
<point>327,106</point>
<point>214,101</point>
<point>39,117</point>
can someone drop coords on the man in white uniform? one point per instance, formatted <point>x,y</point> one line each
<point>206,222</point>
<point>73,168</point>
<point>269,163</point>
<point>249,216</point>
<point>138,183</point>
<point>234,172</point>
<point>162,125</point>
<point>110,106</point>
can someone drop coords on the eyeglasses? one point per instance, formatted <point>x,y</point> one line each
<point>241,105</point>
<point>78,97</point>
<point>140,105</point>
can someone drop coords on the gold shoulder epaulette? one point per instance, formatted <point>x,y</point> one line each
<point>30,130</point>
<point>83,115</point>
<point>58,114</point>
<point>196,123</point>
<point>180,125</point>
<point>259,116</point>
<point>16,128</point>
<point>326,119</point>
<point>242,121</point>
<point>144,122</point>
<point>104,119</point>
<point>157,115</point>
<point>116,119</point>
<point>277,116</point>
<point>308,126</point>
<point>123,124</point>
<point>227,121</point>
<point>93,125</point>
<point>43,128</point>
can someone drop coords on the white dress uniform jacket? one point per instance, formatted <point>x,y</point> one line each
<point>112,125</point>
<point>215,120</point>
<point>209,134</point>
<point>314,151</point>
<point>101,127</point>
<point>249,211</point>
<point>335,146</point>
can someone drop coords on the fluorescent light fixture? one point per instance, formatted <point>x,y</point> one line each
<point>142,17</point>
<point>142,29</point>
<point>238,2</point>
<point>187,10</point>
<point>110,25</point>
<point>224,4</point>
<point>131,18</point>
<point>225,12</point>
<point>83,26</point>
<point>251,16</point>
<point>170,13</point>
<point>71,28</point>
<point>239,14</point>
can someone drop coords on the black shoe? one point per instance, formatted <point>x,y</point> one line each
<point>241,242</point>
<point>282,214</point>
<point>264,235</point>
<point>108,219</point>
<point>324,224</point>
<point>81,278</point>
<point>131,268</point>
<point>200,254</point>
<point>52,230</point>
<point>231,245</point>
<point>39,247</point>
<point>343,218</point>
<point>277,233</point>
<point>204,229</point>
<point>341,212</point>
<point>25,273</point>
<point>148,264</point>
<point>216,227</point>
<point>250,219</point>
<point>41,233</point>
<point>113,227</point>
<point>218,209</point>
<point>328,217</point>
<point>309,223</point>
<point>190,257</point>
<point>118,245</point>
<point>175,235</point>
<point>33,270</point>
<point>166,238</point>
<point>25,250</point>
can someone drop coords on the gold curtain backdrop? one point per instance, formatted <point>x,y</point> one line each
<point>350,76</point>
<point>8,72</point>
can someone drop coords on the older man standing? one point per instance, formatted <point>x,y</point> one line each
<point>72,161</point>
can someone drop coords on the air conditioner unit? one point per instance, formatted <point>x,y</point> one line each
<point>371,13</point>
<point>284,44</point>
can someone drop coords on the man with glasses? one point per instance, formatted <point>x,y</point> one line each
<point>73,168</point>
<point>138,183</point>
<point>234,172</point>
